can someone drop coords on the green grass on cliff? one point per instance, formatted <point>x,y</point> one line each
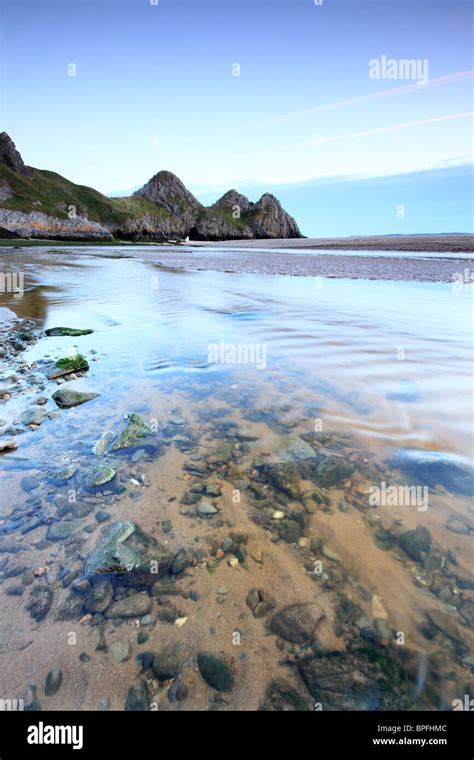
<point>52,194</point>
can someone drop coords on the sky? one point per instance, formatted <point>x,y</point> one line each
<point>287,96</point>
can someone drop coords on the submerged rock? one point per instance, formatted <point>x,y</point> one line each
<point>289,531</point>
<point>292,448</point>
<point>332,470</point>
<point>259,602</point>
<point>33,416</point>
<point>70,332</point>
<point>39,602</point>
<point>66,397</point>
<point>128,554</point>
<point>100,475</point>
<point>415,543</point>
<point>59,531</point>
<point>136,429</point>
<point>138,698</point>
<point>134,606</point>
<point>53,682</point>
<point>280,696</point>
<point>432,468</point>
<point>446,625</point>
<point>362,680</point>
<point>103,444</point>
<point>297,622</point>
<point>216,673</point>
<point>99,597</point>
<point>166,663</point>
<point>206,508</point>
<point>285,477</point>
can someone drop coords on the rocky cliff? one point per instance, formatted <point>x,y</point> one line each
<point>41,204</point>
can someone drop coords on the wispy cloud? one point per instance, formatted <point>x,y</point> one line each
<point>381,94</point>
<point>320,140</point>
<point>392,92</point>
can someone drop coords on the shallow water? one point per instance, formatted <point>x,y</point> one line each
<point>386,362</point>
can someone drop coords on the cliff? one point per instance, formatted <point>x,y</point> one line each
<point>36,203</point>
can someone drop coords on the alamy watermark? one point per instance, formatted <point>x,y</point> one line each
<point>463,282</point>
<point>399,496</point>
<point>12,282</point>
<point>399,68</point>
<point>237,353</point>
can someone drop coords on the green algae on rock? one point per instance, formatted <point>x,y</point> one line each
<point>69,332</point>
<point>99,476</point>
<point>365,679</point>
<point>136,429</point>
<point>69,364</point>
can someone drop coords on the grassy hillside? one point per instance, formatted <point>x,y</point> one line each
<point>52,194</point>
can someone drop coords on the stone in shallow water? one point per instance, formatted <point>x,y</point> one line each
<point>136,429</point>
<point>361,680</point>
<point>100,475</point>
<point>297,622</point>
<point>289,531</point>
<point>432,468</point>
<point>285,477</point>
<point>39,602</point>
<point>415,543</point>
<point>63,473</point>
<point>259,602</point>
<point>68,365</point>
<point>59,531</point>
<point>280,696</point>
<point>166,663</point>
<point>126,553</point>
<point>103,443</point>
<point>205,507</point>
<point>446,625</point>
<point>66,397</point>
<point>120,650</point>
<point>33,416</point>
<point>216,673</point>
<point>99,597</point>
<point>53,682</point>
<point>292,448</point>
<point>138,698</point>
<point>134,606</point>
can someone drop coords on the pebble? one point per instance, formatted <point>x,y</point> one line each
<point>53,682</point>
<point>120,650</point>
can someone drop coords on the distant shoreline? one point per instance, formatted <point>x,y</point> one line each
<point>442,243</point>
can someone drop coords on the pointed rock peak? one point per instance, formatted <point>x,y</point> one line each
<point>233,198</point>
<point>10,156</point>
<point>268,200</point>
<point>272,220</point>
<point>166,190</point>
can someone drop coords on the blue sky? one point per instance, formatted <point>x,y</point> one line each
<point>154,88</point>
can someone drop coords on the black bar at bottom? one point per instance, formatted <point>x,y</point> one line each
<point>225,734</point>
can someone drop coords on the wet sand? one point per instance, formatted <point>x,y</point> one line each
<point>450,243</point>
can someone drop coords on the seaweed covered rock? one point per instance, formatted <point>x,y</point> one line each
<point>136,430</point>
<point>280,696</point>
<point>365,679</point>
